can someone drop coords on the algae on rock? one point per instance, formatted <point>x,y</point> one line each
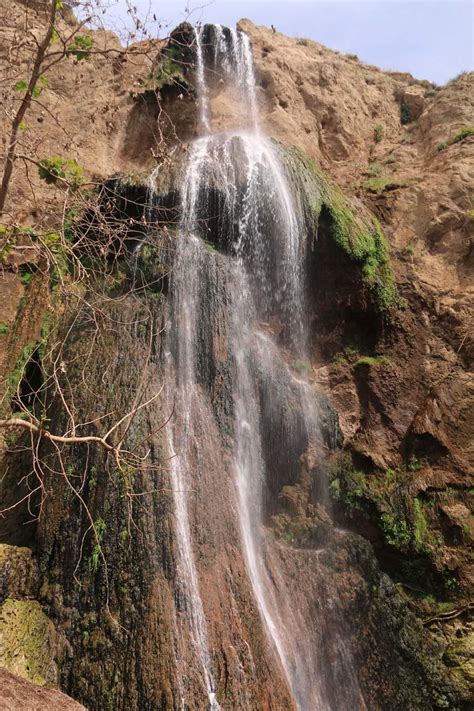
<point>19,573</point>
<point>353,228</point>
<point>28,641</point>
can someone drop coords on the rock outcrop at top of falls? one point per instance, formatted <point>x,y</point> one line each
<point>289,286</point>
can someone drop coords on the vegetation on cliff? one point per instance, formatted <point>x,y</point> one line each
<point>352,227</point>
<point>76,266</point>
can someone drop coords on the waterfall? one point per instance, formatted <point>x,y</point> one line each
<point>261,242</point>
<point>203,97</point>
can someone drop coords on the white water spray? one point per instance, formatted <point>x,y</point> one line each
<point>203,94</point>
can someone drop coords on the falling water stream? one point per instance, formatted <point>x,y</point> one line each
<point>263,236</point>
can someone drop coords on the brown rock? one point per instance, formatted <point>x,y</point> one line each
<point>18,694</point>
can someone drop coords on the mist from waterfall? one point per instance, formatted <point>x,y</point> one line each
<point>261,232</point>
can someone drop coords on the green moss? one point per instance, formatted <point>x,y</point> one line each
<point>385,500</point>
<point>96,555</point>
<point>420,524</point>
<point>381,184</point>
<point>372,361</point>
<point>27,641</point>
<point>353,228</point>
<point>19,369</point>
<point>209,246</point>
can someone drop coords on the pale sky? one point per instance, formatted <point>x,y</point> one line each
<point>431,39</point>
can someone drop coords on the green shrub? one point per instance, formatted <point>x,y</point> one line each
<point>462,134</point>
<point>414,465</point>
<point>169,70</point>
<point>3,328</point>
<point>26,278</point>
<point>457,138</point>
<point>396,531</point>
<point>378,133</point>
<point>405,113</point>
<point>57,168</point>
<point>374,169</point>
<point>347,486</point>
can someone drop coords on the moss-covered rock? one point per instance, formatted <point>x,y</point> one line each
<point>460,657</point>
<point>28,641</point>
<point>351,225</point>
<point>18,572</point>
<point>403,523</point>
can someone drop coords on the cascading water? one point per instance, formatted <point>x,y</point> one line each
<point>260,235</point>
<point>201,81</point>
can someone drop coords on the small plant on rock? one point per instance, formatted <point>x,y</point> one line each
<point>374,170</point>
<point>405,113</point>
<point>462,134</point>
<point>378,133</point>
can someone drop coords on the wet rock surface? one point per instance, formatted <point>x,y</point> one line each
<point>398,381</point>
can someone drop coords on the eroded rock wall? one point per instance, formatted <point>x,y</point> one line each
<point>399,379</point>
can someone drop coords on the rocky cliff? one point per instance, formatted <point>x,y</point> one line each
<point>391,351</point>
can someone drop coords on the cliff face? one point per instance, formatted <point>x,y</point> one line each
<point>398,379</point>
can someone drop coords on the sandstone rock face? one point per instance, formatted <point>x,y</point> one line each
<point>17,693</point>
<point>399,381</point>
